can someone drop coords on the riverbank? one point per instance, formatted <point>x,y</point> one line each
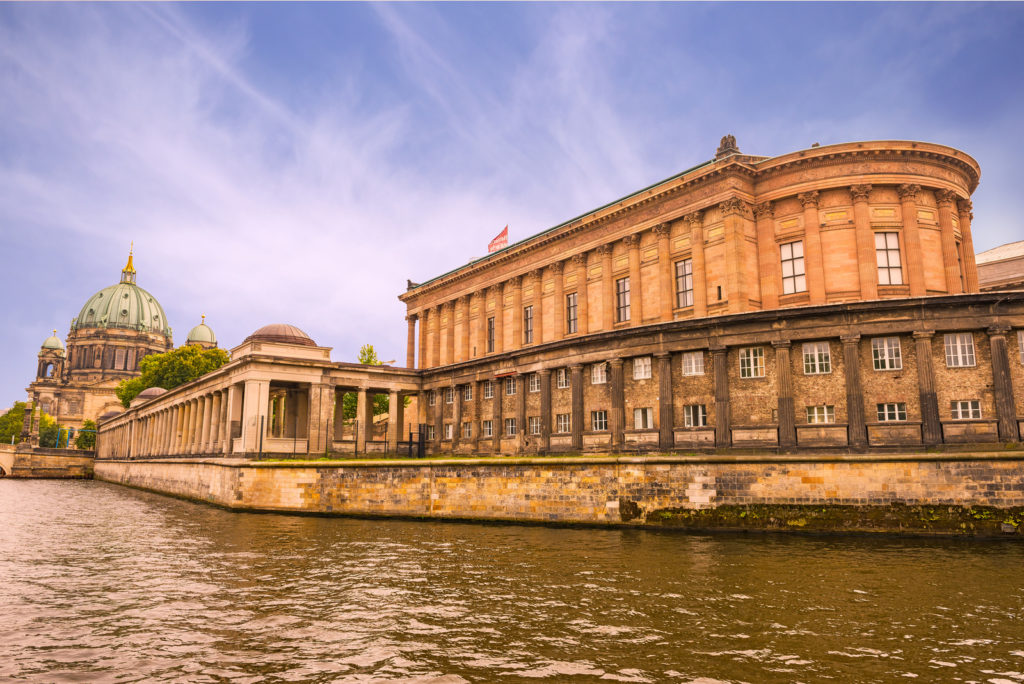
<point>977,494</point>
<point>43,463</point>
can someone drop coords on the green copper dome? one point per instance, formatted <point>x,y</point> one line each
<point>53,342</point>
<point>202,333</point>
<point>125,305</point>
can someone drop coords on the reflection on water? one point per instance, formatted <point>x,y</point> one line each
<point>102,583</point>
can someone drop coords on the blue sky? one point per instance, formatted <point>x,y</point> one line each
<point>297,162</point>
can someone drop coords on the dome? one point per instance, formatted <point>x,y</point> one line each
<point>202,333</point>
<point>125,305</point>
<point>281,332</point>
<point>53,342</point>
<point>150,392</point>
<point>108,415</point>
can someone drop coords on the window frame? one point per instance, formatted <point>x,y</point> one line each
<point>972,407</point>
<point>822,414</point>
<point>796,281</point>
<point>534,383</point>
<point>571,314</point>
<point>687,360</point>
<point>884,260</point>
<point>684,283</point>
<point>563,423</point>
<point>751,360</point>
<point>528,324</point>
<point>488,389</point>
<point>449,395</point>
<point>447,432</point>
<point>816,362</point>
<point>431,432</point>
<point>431,398</point>
<point>511,386</point>
<point>562,380</point>
<point>599,373</point>
<point>487,428</point>
<point>622,299</point>
<point>959,348</point>
<point>511,429</point>
<point>533,425</point>
<point>490,334</point>
<point>695,415</point>
<point>642,368</point>
<point>599,418</point>
<point>884,355</point>
<point>898,409</point>
<point>643,418</point>
<point>467,392</point>
<point>467,429</point>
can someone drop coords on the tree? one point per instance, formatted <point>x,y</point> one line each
<point>86,440</point>
<point>171,369</point>
<point>49,430</point>
<point>12,422</point>
<point>350,404</point>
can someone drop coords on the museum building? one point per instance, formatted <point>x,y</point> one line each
<point>825,298</point>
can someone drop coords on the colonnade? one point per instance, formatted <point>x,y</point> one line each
<point>196,426</point>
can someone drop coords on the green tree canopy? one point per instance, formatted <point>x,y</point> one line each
<point>86,440</point>
<point>350,403</point>
<point>12,422</point>
<point>49,429</point>
<point>171,369</point>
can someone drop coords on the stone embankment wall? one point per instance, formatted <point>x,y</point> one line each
<point>47,463</point>
<point>948,493</point>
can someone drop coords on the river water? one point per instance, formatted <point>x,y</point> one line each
<point>102,583</point>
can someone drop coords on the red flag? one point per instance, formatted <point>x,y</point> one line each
<point>499,242</point>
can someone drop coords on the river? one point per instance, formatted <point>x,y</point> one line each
<point>100,583</point>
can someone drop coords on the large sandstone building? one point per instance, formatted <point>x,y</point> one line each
<point>824,298</point>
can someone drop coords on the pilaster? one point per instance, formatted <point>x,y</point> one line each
<point>576,380</point>
<point>666,293</point>
<point>636,290</point>
<point>1002,385</point>
<point>950,261</point>
<point>784,389</point>
<point>867,261</point>
<point>854,392</point>
<point>579,262</point>
<point>723,419</point>
<point>912,238</point>
<point>695,221</point>
<point>931,429</point>
<point>558,301</point>
<point>607,287</point>
<point>813,259</point>
<point>666,435</point>
<point>617,390</point>
<point>967,245</point>
<point>767,255</point>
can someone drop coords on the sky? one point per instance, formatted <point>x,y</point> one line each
<point>296,163</point>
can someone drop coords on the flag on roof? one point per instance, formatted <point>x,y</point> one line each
<point>499,242</point>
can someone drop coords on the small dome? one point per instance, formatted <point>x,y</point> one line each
<point>53,342</point>
<point>108,415</point>
<point>150,392</point>
<point>281,332</point>
<point>201,333</point>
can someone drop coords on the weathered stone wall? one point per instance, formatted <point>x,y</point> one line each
<point>607,491</point>
<point>50,463</point>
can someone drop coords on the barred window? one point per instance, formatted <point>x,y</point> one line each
<point>447,431</point>
<point>510,386</point>
<point>534,424</point>
<point>487,428</point>
<point>490,335</point>
<point>695,415</point>
<point>599,373</point>
<point>510,427</point>
<point>793,279</point>
<point>693,363</point>
<point>891,412</point>
<point>431,433</point>
<point>752,362</point>
<point>449,395</point>
<point>570,313</point>
<point>528,325</point>
<point>966,410</point>
<point>563,422</point>
<point>535,382</point>
<point>885,353</point>
<point>562,378</point>
<point>684,283</point>
<point>887,252</point>
<point>643,418</point>
<point>431,397</point>
<point>821,414</point>
<point>467,430</point>
<point>959,350</point>
<point>622,299</point>
<point>488,389</point>
<point>598,420</point>
<point>467,393</point>
<point>642,368</point>
<point>817,358</point>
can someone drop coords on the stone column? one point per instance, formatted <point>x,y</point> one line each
<point>282,418</point>
<point>618,414</point>
<point>395,419</point>
<point>204,436</point>
<point>636,299</point>
<point>424,327</point>
<point>176,429</point>
<point>579,262</point>
<point>1002,385</point>
<point>577,418</point>
<point>496,418</point>
<point>545,411</point>
<point>410,346</point>
<point>214,436</point>
<point>481,323</point>
<point>666,293</point>
<point>478,402</point>
<point>538,305</point>
<point>364,409</point>
<point>931,428</point>
<point>230,397</point>
<point>607,287</point>
<point>438,417</point>
<point>449,340</point>
<point>499,317</point>
<point>186,431</point>
<point>320,428</point>
<point>695,221</point>
<point>467,351</point>
<point>767,255</point>
<point>723,419</point>
<point>967,245</point>
<point>784,379</point>
<point>813,261</point>
<point>521,435</point>
<point>666,432</point>
<point>456,416</point>
<point>435,347</point>
<point>912,238</point>
<point>558,310</point>
<point>854,392</point>
<point>950,260</point>
<point>517,312</point>
<point>421,409</point>
<point>867,261</point>
<point>734,213</point>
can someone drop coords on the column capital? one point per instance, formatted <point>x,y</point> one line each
<point>662,230</point>
<point>998,330</point>
<point>859,193</point>
<point>923,334</point>
<point>734,205</point>
<point>556,267</point>
<point>695,219</point>
<point>966,206</point>
<point>631,241</point>
<point>615,362</point>
<point>808,199</point>
<point>544,372</point>
<point>908,191</point>
<point>945,198</point>
<point>662,355</point>
<point>782,344</point>
<point>412,317</point>
<point>579,260</point>
<point>514,281</point>
<point>851,338</point>
<point>764,210</point>
<point>603,251</point>
<point>576,366</point>
<point>462,299</point>
<point>718,350</point>
<point>536,274</point>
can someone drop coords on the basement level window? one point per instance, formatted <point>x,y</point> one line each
<point>966,410</point>
<point>891,412</point>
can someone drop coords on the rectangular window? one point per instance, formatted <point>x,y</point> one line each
<point>533,422</point>
<point>793,279</point>
<point>448,431</point>
<point>510,427</point>
<point>643,418</point>
<point>695,415</point>
<point>684,283</point>
<point>535,382</point>
<point>817,358</point>
<point>966,410</point>
<point>449,395</point>
<point>885,353</point>
<point>467,393</point>
<point>598,420</point>
<point>563,422</point>
<point>959,350</point>
<point>599,373</point>
<point>562,378</point>
<point>891,412</point>
<point>570,314</point>
<point>510,386</point>
<point>527,325</point>
<point>622,299</point>
<point>488,389</point>
<point>431,397</point>
<point>752,362</point>
<point>642,368</point>
<point>487,428</point>
<point>887,251</point>
<point>467,430</point>
<point>490,335</point>
<point>821,414</point>
<point>431,434</point>
<point>693,363</point>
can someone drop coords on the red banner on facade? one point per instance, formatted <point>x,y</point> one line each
<point>499,242</point>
